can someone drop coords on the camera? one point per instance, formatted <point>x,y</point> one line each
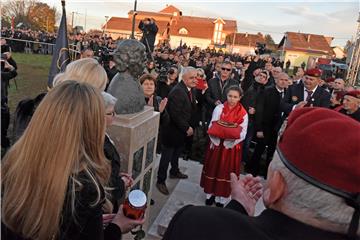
<point>104,56</point>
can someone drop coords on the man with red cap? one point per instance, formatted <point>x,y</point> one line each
<point>312,190</point>
<point>351,104</point>
<point>307,93</point>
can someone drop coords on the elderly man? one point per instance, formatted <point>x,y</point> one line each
<point>312,194</point>
<point>181,107</point>
<point>306,94</point>
<point>339,85</point>
<point>351,105</point>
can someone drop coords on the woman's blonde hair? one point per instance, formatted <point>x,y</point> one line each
<point>65,137</point>
<point>84,70</point>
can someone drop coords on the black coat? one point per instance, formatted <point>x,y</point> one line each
<point>271,113</point>
<point>181,111</point>
<point>149,34</point>
<point>215,92</point>
<point>295,94</point>
<point>254,97</point>
<point>232,223</point>
<point>116,183</point>
<point>88,224</point>
<point>163,90</point>
<point>355,115</point>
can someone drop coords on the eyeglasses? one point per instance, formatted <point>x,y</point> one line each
<point>111,114</point>
<point>226,69</point>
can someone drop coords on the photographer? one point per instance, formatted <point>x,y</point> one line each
<point>8,72</point>
<point>149,30</point>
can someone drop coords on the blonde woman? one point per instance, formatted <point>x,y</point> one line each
<point>84,70</point>
<point>53,176</point>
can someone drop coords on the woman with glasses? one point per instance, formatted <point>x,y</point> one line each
<point>119,183</point>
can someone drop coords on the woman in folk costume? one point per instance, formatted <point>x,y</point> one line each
<point>227,131</point>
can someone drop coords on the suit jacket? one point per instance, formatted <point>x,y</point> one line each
<point>272,114</point>
<point>254,97</point>
<point>215,92</point>
<point>233,223</point>
<point>181,111</point>
<point>295,94</point>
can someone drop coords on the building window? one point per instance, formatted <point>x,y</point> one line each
<point>218,35</point>
<point>183,31</point>
<point>175,14</point>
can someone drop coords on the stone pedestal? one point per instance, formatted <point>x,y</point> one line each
<point>135,138</point>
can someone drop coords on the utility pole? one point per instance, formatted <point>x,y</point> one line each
<point>133,21</point>
<point>283,49</point>
<point>85,19</point>
<point>106,22</point>
<point>353,74</point>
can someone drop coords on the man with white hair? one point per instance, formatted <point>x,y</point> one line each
<point>312,192</point>
<point>181,107</point>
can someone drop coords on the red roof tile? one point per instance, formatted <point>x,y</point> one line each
<point>170,9</point>
<point>308,42</point>
<point>197,27</point>
<point>245,39</point>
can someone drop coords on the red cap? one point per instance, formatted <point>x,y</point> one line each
<point>354,93</point>
<point>330,79</point>
<point>313,147</point>
<point>315,72</point>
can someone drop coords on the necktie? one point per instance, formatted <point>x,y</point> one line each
<point>309,95</point>
<point>190,96</point>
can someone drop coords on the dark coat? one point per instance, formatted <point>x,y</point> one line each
<point>163,90</point>
<point>116,183</point>
<point>271,114</point>
<point>355,115</point>
<point>149,34</point>
<point>88,223</point>
<point>232,223</point>
<point>254,97</point>
<point>215,92</point>
<point>181,111</point>
<point>295,94</point>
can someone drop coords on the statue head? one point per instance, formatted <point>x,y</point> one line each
<point>130,56</point>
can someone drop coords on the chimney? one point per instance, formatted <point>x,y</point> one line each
<point>308,37</point>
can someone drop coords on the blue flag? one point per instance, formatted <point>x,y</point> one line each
<point>61,56</point>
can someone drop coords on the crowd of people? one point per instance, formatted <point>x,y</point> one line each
<point>238,105</point>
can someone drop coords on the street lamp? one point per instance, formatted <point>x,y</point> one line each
<point>106,22</point>
<point>133,21</point>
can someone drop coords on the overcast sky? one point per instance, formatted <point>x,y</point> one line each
<point>331,18</point>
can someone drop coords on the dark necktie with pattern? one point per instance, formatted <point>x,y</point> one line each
<point>309,95</point>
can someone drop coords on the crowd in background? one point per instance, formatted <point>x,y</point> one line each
<point>192,88</point>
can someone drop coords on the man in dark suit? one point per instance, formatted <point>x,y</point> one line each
<point>217,88</point>
<point>237,71</point>
<point>269,124</point>
<point>181,107</point>
<point>306,94</point>
<point>305,197</point>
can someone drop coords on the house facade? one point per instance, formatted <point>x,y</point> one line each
<point>175,28</point>
<point>300,47</point>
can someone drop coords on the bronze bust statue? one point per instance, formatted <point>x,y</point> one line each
<point>130,58</point>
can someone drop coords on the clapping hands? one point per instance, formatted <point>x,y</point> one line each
<point>247,191</point>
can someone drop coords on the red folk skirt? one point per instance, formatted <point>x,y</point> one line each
<point>219,163</point>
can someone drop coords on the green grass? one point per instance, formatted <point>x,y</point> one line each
<point>33,70</point>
